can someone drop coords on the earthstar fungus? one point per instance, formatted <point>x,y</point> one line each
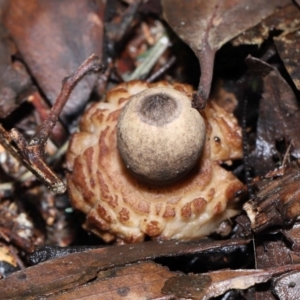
<point>159,135</point>
<point>119,205</point>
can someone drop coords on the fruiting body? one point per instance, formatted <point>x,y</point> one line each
<point>159,135</point>
<point>120,206</point>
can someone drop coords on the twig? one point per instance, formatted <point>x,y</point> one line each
<point>206,58</point>
<point>162,70</point>
<point>31,153</point>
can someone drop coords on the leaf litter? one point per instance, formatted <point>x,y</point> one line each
<point>34,217</point>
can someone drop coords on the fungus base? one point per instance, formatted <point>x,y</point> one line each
<point>118,206</point>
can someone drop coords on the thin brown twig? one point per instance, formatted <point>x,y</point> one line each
<point>31,153</point>
<point>206,59</point>
<point>93,63</point>
<point>162,70</point>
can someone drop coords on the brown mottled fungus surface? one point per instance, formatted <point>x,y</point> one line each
<point>118,206</point>
<point>160,136</point>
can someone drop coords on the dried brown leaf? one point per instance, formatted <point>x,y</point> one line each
<point>287,286</point>
<point>279,115</point>
<point>285,19</point>
<point>54,37</point>
<point>78,268</point>
<point>15,83</point>
<point>271,253</point>
<point>207,25</point>
<point>213,284</point>
<point>293,235</point>
<point>138,281</point>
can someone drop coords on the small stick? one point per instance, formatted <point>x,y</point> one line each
<point>162,70</point>
<point>31,153</point>
<point>206,59</point>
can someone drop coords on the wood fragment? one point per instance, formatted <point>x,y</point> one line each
<point>277,203</point>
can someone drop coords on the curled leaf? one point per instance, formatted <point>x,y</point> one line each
<point>207,25</point>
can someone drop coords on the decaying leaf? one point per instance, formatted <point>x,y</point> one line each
<point>138,281</point>
<point>288,48</point>
<point>15,83</point>
<point>54,38</point>
<point>79,268</point>
<point>206,26</point>
<point>277,200</point>
<point>279,116</point>
<point>287,22</point>
<point>270,253</point>
<point>287,286</point>
<point>283,21</point>
<point>213,284</point>
<point>293,235</point>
